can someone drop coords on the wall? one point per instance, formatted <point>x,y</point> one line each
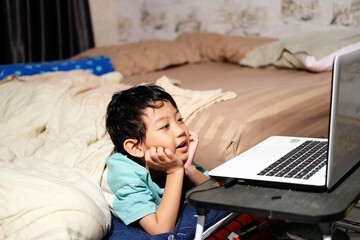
<point>145,19</point>
<point>104,21</point>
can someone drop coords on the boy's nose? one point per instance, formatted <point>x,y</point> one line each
<point>180,131</point>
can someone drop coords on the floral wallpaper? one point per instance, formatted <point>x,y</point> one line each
<point>145,19</point>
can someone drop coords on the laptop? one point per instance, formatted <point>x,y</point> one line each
<point>274,161</point>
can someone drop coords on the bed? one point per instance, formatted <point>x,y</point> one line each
<point>233,92</point>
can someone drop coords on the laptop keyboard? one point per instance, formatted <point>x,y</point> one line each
<point>301,163</point>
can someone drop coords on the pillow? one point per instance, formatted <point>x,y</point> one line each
<point>326,63</point>
<point>145,56</point>
<point>236,47</point>
<point>97,65</point>
<point>205,42</point>
<point>217,47</point>
<point>299,51</point>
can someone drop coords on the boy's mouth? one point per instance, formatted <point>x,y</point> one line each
<point>181,145</point>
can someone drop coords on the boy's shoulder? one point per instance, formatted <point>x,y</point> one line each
<point>121,163</point>
<point>121,170</point>
<point>116,156</point>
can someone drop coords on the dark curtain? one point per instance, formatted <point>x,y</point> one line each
<point>43,30</point>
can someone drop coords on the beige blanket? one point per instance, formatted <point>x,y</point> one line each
<point>191,102</point>
<point>53,148</point>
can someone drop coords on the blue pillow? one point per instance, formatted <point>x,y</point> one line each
<point>98,65</point>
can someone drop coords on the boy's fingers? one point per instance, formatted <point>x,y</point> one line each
<point>169,153</point>
<point>193,136</point>
<point>161,154</point>
<point>152,152</point>
<point>157,155</point>
<point>151,155</point>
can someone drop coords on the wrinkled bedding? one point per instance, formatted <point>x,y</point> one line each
<point>53,147</point>
<point>52,153</point>
<point>314,51</point>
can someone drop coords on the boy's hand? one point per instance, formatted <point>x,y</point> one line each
<point>196,176</point>
<point>194,141</point>
<point>163,160</point>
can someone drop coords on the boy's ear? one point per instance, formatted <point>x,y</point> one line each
<point>133,147</point>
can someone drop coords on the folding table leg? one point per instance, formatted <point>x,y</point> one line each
<point>327,230</point>
<point>200,223</point>
<point>199,227</point>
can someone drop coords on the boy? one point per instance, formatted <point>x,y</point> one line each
<point>149,133</point>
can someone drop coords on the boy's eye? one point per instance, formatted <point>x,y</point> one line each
<point>165,126</point>
<point>181,119</point>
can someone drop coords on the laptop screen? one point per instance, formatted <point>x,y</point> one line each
<point>345,120</point>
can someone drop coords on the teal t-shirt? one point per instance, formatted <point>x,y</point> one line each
<point>135,194</point>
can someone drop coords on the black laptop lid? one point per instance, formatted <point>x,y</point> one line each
<point>344,134</point>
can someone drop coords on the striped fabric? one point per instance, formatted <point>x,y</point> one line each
<point>244,227</point>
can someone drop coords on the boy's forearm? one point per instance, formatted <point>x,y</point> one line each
<point>195,175</point>
<point>164,219</point>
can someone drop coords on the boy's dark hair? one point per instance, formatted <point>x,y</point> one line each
<point>125,111</point>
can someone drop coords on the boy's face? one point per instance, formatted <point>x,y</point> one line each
<point>166,128</point>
